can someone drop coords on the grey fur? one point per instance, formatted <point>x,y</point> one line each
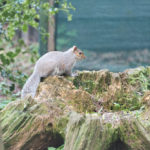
<point>52,63</point>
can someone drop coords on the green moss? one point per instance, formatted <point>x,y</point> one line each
<point>126,98</point>
<point>81,105</point>
<point>92,82</point>
<point>126,101</point>
<point>109,125</point>
<point>60,103</point>
<point>60,125</point>
<point>87,85</point>
<point>140,78</point>
<point>131,134</point>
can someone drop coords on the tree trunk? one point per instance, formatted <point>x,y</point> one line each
<point>43,28</point>
<point>47,25</point>
<point>52,30</point>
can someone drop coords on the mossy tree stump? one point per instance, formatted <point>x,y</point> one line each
<point>100,109</point>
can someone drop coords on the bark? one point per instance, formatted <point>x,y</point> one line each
<point>52,30</point>
<point>47,25</point>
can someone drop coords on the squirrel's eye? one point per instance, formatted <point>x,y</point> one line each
<point>80,53</point>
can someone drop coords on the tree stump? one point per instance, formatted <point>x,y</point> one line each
<point>96,110</point>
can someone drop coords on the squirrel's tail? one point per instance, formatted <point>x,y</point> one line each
<point>30,86</point>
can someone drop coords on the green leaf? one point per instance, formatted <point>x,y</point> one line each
<point>17,51</point>
<point>4,59</point>
<point>69,17</point>
<point>12,87</point>
<point>51,148</point>
<point>1,49</point>
<point>25,27</point>
<point>61,147</point>
<point>116,106</point>
<point>10,54</point>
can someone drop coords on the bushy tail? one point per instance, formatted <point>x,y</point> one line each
<point>30,86</point>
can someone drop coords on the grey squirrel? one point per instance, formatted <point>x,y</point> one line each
<point>52,63</point>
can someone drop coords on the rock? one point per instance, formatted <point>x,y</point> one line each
<point>101,110</point>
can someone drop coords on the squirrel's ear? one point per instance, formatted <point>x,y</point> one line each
<point>74,48</point>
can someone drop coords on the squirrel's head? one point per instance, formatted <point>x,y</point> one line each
<point>78,53</point>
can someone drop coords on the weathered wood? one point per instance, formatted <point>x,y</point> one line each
<point>41,122</point>
<point>108,131</point>
<point>1,141</point>
<point>111,129</point>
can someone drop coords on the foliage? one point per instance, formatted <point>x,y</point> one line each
<point>17,15</point>
<point>12,77</point>
<point>59,148</point>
